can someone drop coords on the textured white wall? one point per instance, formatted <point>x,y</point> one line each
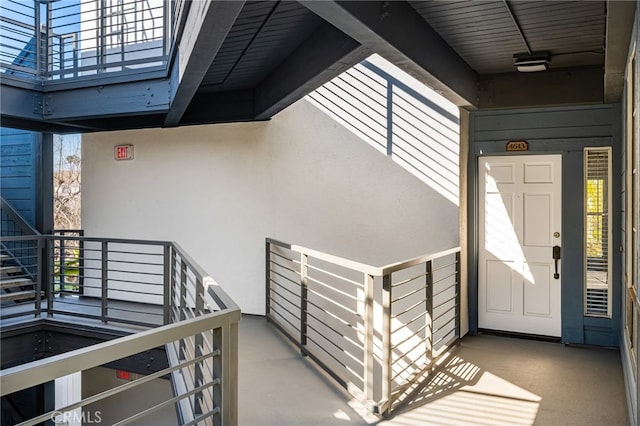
<point>220,190</point>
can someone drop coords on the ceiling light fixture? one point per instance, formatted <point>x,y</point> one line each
<point>532,62</point>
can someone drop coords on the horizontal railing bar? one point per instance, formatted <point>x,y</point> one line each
<point>413,348</point>
<point>283,297</point>
<point>409,280</point>
<point>273,262</point>
<point>294,315</point>
<point>203,416</point>
<point>328,287</point>
<point>350,264</point>
<point>406,310</point>
<point>340,277</point>
<point>133,262</point>
<point>284,277</point>
<point>417,260</point>
<point>114,391</point>
<point>454,285</point>
<point>152,274</point>
<point>282,256</point>
<point>331,314</point>
<point>411,336</point>
<point>448,265</point>
<point>279,285</point>
<point>112,308</point>
<point>340,362</point>
<point>346,338</point>
<point>436,342</point>
<point>164,404</point>
<point>361,267</point>
<point>411,321</point>
<point>443,326</point>
<point>21,313</point>
<point>411,293</point>
<point>406,367</point>
<point>295,327</point>
<point>34,373</point>
<point>116,280</point>
<point>340,348</point>
<point>99,317</point>
<point>332,301</point>
<point>446,301</point>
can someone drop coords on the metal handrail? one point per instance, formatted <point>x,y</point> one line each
<point>195,330</point>
<point>13,215</point>
<point>409,349</point>
<point>25,376</point>
<point>60,41</point>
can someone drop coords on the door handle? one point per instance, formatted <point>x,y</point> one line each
<point>556,257</point>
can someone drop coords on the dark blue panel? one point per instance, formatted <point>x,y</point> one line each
<point>18,173</point>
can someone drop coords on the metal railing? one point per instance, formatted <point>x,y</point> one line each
<point>54,40</point>
<point>21,258</point>
<point>150,284</point>
<point>377,330</point>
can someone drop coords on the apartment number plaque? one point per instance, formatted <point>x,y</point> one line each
<point>517,146</point>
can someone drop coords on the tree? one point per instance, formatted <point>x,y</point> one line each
<point>67,188</point>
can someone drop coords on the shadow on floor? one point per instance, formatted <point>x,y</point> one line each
<point>489,380</point>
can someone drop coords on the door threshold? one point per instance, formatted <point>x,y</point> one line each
<point>524,336</point>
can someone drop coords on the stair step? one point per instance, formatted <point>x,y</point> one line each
<point>14,282</point>
<point>10,269</point>
<point>4,257</point>
<point>18,295</point>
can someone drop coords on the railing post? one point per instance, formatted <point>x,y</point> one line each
<point>230,374</point>
<point>368,337</point>
<point>39,276</point>
<point>429,308</point>
<point>304,259</point>
<point>81,262</point>
<point>458,295</point>
<point>387,360</point>
<point>167,287</point>
<point>183,303</point>
<point>49,264</point>
<point>105,280</point>
<point>267,279</point>
<point>62,268</point>
<point>198,342</point>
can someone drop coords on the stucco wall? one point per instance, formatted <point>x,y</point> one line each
<point>220,190</point>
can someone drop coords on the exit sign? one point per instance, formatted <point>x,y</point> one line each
<point>124,152</point>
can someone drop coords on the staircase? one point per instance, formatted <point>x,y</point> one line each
<point>15,283</point>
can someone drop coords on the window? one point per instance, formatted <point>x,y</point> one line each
<point>597,231</point>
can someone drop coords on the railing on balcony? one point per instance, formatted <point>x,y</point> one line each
<point>56,40</point>
<point>378,331</point>
<point>149,284</point>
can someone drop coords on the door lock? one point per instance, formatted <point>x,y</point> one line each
<point>556,257</point>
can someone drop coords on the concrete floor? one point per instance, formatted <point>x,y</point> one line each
<point>490,381</point>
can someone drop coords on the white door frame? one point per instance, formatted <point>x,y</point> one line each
<point>511,261</point>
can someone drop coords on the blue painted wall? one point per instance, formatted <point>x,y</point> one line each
<point>19,153</point>
<point>566,131</point>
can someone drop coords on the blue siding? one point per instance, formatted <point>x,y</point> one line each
<point>564,130</point>
<point>18,170</point>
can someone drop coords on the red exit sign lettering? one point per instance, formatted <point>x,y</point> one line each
<point>124,152</point>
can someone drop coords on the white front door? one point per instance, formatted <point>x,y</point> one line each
<point>520,223</point>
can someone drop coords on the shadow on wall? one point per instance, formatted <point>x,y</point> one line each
<point>401,118</point>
